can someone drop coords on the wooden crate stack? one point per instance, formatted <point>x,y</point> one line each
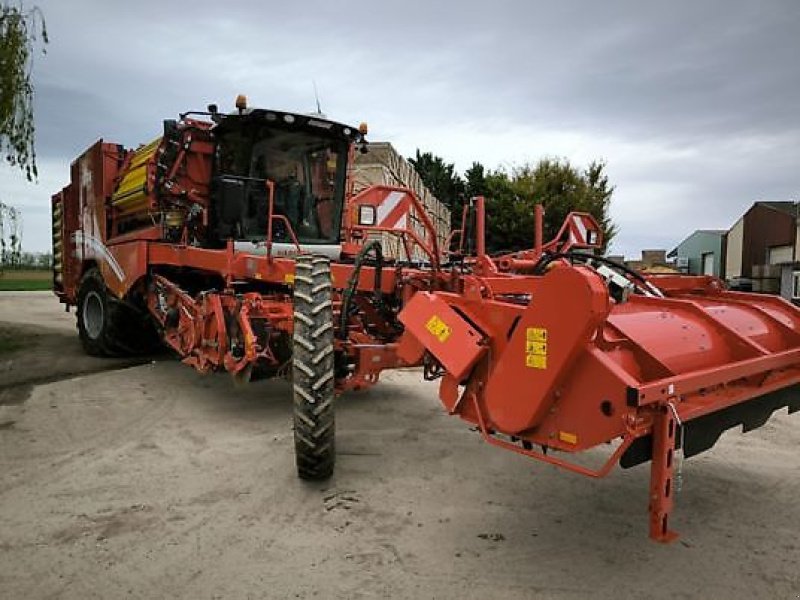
<point>382,165</point>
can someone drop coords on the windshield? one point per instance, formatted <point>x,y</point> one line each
<point>309,175</point>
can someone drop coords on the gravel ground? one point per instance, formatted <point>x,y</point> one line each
<point>155,482</point>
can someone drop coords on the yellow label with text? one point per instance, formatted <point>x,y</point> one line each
<point>288,279</point>
<point>536,347</point>
<point>536,334</point>
<point>438,328</point>
<point>567,437</point>
<point>535,361</point>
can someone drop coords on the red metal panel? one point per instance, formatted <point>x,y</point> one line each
<point>678,334</point>
<point>564,313</point>
<point>453,341</point>
<point>131,261</point>
<point>72,265</point>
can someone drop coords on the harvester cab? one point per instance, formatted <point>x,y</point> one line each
<point>279,181</point>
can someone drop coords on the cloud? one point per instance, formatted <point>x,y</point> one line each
<point>692,105</point>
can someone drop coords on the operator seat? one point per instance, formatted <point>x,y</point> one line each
<point>288,197</point>
<point>231,198</point>
<point>291,201</point>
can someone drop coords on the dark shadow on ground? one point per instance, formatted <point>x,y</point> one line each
<point>34,355</point>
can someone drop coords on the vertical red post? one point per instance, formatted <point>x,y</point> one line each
<point>662,483</point>
<point>464,216</point>
<point>538,233</point>
<point>229,254</point>
<point>480,236</point>
<point>270,212</point>
<point>350,185</point>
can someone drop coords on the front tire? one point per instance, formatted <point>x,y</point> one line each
<point>313,369</point>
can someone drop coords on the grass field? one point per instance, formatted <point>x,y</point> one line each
<point>26,281</point>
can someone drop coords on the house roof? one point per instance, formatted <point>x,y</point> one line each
<point>674,252</point>
<point>790,208</point>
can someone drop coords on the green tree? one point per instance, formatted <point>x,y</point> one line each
<point>559,186</point>
<point>440,178</point>
<point>475,180</point>
<point>20,32</point>
<point>474,185</point>
<point>600,191</point>
<point>10,236</point>
<point>511,196</point>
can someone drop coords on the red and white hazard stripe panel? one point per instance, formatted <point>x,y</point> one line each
<point>582,230</point>
<point>392,211</point>
<point>392,206</point>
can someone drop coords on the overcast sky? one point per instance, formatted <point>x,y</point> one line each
<point>694,105</point>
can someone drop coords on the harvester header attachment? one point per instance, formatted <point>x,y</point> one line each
<point>555,351</point>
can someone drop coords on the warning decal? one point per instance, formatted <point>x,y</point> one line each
<point>438,328</point>
<point>536,347</point>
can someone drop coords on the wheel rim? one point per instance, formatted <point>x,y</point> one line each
<point>93,315</point>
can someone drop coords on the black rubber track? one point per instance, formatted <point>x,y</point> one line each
<point>313,369</point>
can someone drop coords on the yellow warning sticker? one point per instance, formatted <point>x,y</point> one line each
<point>535,361</point>
<point>569,438</point>
<point>536,334</point>
<point>288,279</point>
<point>536,347</point>
<point>438,328</point>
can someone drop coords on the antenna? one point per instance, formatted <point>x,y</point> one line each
<point>316,99</point>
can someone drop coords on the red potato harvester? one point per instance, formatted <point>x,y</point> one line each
<point>236,240</point>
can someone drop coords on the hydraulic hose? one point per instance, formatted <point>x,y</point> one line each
<point>374,247</point>
<point>548,258</point>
